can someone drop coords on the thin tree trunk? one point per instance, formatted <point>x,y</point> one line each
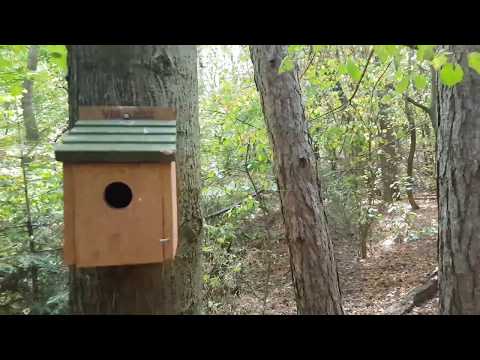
<point>31,129</point>
<point>364,228</point>
<point>314,270</point>
<point>459,189</point>
<point>387,155</point>
<point>144,75</point>
<point>29,223</point>
<point>31,135</point>
<point>411,155</point>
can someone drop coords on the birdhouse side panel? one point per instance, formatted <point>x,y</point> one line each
<point>69,216</point>
<point>174,209</point>
<point>170,247</point>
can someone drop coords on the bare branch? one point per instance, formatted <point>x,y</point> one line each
<point>417,104</point>
<point>311,56</point>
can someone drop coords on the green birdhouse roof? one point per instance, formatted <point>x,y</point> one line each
<point>119,141</point>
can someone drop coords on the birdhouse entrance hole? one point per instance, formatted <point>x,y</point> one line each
<point>118,195</point>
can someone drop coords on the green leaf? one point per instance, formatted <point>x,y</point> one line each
<point>58,55</point>
<point>451,74</point>
<point>16,90</point>
<point>439,61</point>
<point>402,85</point>
<point>286,65</point>
<point>393,50</point>
<point>6,98</point>
<point>17,49</point>
<point>4,63</point>
<point>294,49</point>
<point>382,52</point>
<point>353,70</point>
<point>425,52</point>
<point>56,49</point>
<point>420,82</point>
<point>342,69</point>
<point>474,61</point>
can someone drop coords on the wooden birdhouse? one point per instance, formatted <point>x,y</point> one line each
<point>120,203</point>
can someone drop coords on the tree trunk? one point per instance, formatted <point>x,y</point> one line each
<point>363,229</point>
<point>411,155</point>
<point>459,189</point>
<point>314,270</point>
<point>387,155</point>
<point>365,221</point>
<point>31,129</point>
<point>31,135</point>
<point>144,75</point>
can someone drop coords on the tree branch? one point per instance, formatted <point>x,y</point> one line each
<point>361,77</point>
<point>311,56</point>
<point>378,80</point>
<point>417,104</point>
<point>344,106</point>
<point>231,207</point>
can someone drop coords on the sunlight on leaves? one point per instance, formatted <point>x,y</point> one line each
<point>451,74</point>
<point>474,61</point>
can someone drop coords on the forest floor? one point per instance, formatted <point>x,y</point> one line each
<point>402,254</point>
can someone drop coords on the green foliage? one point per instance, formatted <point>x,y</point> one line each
<point>474,61</point>
<point>402,85</point>
<point>288,64</point>
<point>43,182</point>
<point>234,141</point>
<point>387,52</point>
<point>426,52</point>
<point>421,82</point>
<point>58,56</point>
<point>451,74</point>
<point>293,55</point>
<point>439,61</point>
<point>353,70</point>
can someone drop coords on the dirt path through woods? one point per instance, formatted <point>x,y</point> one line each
<point>401,255</point>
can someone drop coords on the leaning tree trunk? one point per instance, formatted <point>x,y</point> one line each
<point>459,189</point>
<point>31,129</point>
<point>411,155</point>
<point>144,75</point>
<point>312,260</point>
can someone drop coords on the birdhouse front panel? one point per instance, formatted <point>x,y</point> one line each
<point>119,192</point>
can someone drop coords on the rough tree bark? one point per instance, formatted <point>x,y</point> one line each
<point>312,260</point>
<point>31,129</point>
<point>144,75</point>
<point>459,189</point>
